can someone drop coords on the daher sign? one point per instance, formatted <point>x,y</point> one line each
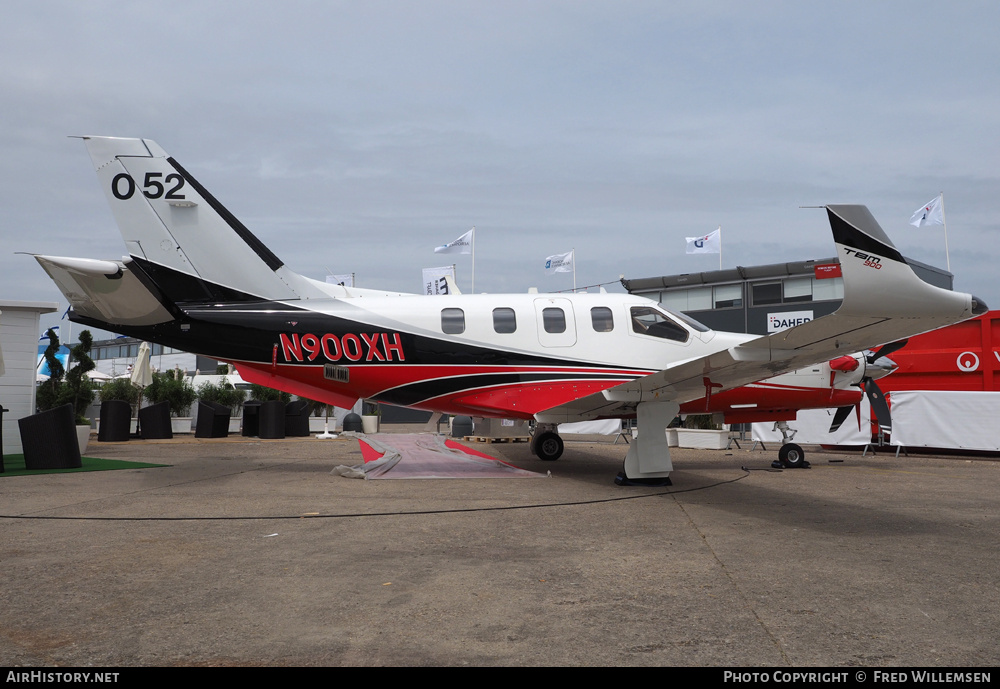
<point>776,322</point>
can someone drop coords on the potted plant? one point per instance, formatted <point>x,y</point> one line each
<point>227,395</point>
<point>119,390</point>
<point>72,386</point>
<point>270,421</point>
<point>318,413</point>
<point>262,393</point>
<point>370,416</point>
<point>178,394</point>
<point>703,431</point>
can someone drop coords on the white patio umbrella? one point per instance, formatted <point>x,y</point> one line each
<point>142,372</point>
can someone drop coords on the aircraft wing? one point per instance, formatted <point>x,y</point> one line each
<point>884,301</point>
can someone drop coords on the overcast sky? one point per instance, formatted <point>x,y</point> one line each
<point>357,136</point>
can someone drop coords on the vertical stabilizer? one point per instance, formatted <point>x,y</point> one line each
<point>180,236</point>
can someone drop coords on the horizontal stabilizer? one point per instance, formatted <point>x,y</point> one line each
<point>105,291</point>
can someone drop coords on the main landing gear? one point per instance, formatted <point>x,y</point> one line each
<point>790,456</point>
<point>546,443</point>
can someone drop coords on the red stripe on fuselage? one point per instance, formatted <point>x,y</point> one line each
<point>515,400</point>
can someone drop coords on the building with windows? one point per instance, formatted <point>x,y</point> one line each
<point>761,299</point>
<point>115,357</point>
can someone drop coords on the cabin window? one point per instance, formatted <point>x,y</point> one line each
<point>452,321</point>
<point>553,320</point>
<point>602,319</point>
<point>504,320</point>
<point>649,321</point>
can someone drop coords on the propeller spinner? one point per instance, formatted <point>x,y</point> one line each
<point>877,365</point>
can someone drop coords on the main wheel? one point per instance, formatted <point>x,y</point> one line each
<point>548,446</point>
<point>792,456</point>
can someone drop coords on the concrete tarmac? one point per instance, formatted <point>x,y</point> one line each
<point>250,552</point>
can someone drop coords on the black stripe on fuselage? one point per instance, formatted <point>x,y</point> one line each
<point>415,393</point>
<point>249,331</point>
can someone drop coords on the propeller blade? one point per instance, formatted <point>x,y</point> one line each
<point>840,417</point>
<point>886,350</point>
<point>880,407</point>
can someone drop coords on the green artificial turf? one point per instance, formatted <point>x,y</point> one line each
<point>14,466</point>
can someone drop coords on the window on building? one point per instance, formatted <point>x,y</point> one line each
<point>452,321</point>
<point>798,289</point>
<point>553,320</point>
<point>504,320</point>
<point>727,296</point>
<point>602,319</point>
<point>650,321</point>
<point>830,288</point>
<point>691,299</point>
<point>766,293</point>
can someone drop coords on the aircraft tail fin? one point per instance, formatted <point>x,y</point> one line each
<point>179,235</point>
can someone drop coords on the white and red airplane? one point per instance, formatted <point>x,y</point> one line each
<point>197,279</point>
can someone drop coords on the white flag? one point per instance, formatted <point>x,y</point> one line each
<point>462,245</point>
<point>559,263</point>
<point>344,280</point>
<point>931,214</point>
<point>436,279</point>
<point>709,244</point>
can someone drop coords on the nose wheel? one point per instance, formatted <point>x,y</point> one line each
<point>791,456</point>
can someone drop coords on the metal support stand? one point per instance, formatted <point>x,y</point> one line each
<point>622,434</point>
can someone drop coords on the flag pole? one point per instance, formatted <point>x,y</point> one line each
<point>947,257</point>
